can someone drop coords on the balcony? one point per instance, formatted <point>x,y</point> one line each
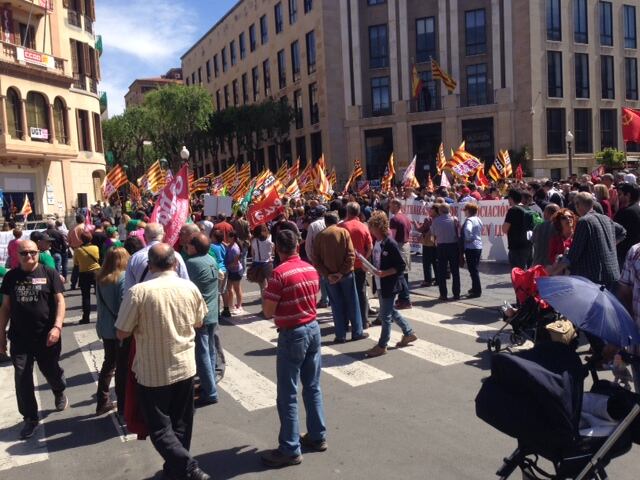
<point>31,59</point>
<point>42,6</point>
<point>369,110</point>
<point>425,105</point>
<point>79,81</point>
<point>477,99</point>
<point>75,18</point>
<point>88,24</point>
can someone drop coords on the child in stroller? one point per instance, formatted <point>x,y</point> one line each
<point>532,314</point>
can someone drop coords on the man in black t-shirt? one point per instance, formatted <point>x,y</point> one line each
<point>515,227</point>
<point>34,307</point>
<point>628,216</point>
<point>59,247</point>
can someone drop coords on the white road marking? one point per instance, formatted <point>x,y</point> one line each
<point>248,387</point>
<point>431,352</point>
<point>93,354</point>
<point>339,365</point>
<point>13,451</point>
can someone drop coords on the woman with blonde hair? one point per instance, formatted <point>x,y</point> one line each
<point>109,290</point>
<point>602,196</point>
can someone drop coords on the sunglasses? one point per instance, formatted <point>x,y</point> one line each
<point>31,253</point>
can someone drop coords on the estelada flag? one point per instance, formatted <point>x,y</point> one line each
<point>265,210</point>
<point>26,209</point>
<point>519,173</point>
<point>630,125</point>
<point>172,206</point>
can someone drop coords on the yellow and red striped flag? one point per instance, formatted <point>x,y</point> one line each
<point>441,159</point>
<point>134,193</point>
<point>228,176</point>
<point>305,179</point>
<point>115,179</point>
<point>294,171</point>
<point>389,175</point>
<point>322,185</point>
<point>481,178</point>
<point>283,173</point>
<point>26,209</point>
<point>357,172</point>
<point>293,191</point>
<point>437,73</point>
<point>463,163</point>
<point>416,82</point>
<point>506,161</point>
<point>333,178</point>
<point>496,172</point>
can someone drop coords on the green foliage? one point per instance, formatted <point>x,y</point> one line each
<point>611,158</point>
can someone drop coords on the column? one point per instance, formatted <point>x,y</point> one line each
<point>495,46</point>
<point>454,65</point>
<point>23,119</point>
<point>357,51</point>
<point>393,53</point>
<point>3,115</point>
<point>508,46</point>
<point>405,67</point>
<point>443,43</point>
<point>346,63</point>
<point>52,127</point>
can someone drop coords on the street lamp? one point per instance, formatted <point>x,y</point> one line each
<point>569,138</point>
<point>163,163</point>
<point>184,154</point>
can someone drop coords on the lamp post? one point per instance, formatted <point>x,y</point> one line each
<point>569,138</point>
<point>184,154</point>
<point>163,163</point>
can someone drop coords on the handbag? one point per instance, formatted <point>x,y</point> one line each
<point>562,331</point>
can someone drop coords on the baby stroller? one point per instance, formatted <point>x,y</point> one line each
<point>536,396</point>
<point>527,322</point>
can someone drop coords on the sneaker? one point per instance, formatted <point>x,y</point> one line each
<point>317,445</point>
<point>105,408</point>
<point>239,311</point>
<point>375,351</point>
<point>403,305</point>
<point>84,321</point>
<point>28,428</point>
<point>360,337</point>
<point>225,312</point>
<point>372,312</point>
<point>61,401</point>
<point>322,305</point>
<point>377,321</point>
<point>198,474</point>
<point>277,459</point>
<point>406,340</point>
<point>339,340</point>
<point>203,402</point>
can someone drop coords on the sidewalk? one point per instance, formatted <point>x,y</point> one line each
<point>494,277</point>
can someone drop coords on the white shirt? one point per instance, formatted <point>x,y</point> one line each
<point>261,250</point>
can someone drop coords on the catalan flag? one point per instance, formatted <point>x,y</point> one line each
<point>506,161</point>
<point>229,175</point>
<point>321,183</point>
<point>200,185</point>
<point>496,172</point>
<point>240,185</point>
<point>134,193</point>
<point>481,178</point>
<point>389,175</point>
<point>409,179</point>
<point>305,179</point>
<point>115,179</point>
<point>333,178</point>
<point>357,173</point>
<point>26,209</point>
<point>293,191</point>
<point>430,186</point>
<point>416,82</point>
<point>463,163</point>
<point>438,74</point>
<point>294,171</point>
<point>283,173</point>
<point>441,160</point>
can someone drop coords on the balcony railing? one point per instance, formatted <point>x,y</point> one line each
<point>79,81</point>
<point>425,105</point>
<point>33,59</point>
<point>484,98</point>
<point>370,110</point>
<point>93,85</point>
<point>88,24</point>
<point>74,18</point>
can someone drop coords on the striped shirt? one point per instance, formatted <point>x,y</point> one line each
<point>631,278</point>
<point>294,286</point>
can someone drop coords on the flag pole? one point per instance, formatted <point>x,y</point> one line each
<point>626,161</point>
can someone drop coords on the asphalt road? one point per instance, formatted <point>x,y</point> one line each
<point>407,415</point>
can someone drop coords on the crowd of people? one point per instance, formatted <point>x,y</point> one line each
<point>159,305</point>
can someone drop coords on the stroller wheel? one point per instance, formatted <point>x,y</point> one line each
<point>490,345</point>
<point>497,344</point>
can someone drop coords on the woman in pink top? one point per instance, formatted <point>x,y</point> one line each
<point>13,260</point>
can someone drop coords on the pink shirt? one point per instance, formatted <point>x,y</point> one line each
<point>12,253</point>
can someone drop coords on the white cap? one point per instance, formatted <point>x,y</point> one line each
<point>630,178</point>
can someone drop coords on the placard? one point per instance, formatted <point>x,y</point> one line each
<point>214,205</point>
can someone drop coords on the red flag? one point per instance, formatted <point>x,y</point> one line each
<point>172,206</point>
<point>630,125</point>
<point>481,178</point>
<point>430,186</point>
<point>266,209</point>
<point>597,173</point>
<point>519,173</point>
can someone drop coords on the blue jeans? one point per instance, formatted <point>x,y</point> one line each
<point>324,290</point>
<point>298,355</point>
<point>345,307</point>
<point>206,361</point>
<point>58,259</point>
<point>388,313</point>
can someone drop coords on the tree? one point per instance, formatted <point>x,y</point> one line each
<point>611,158</point>
<point>117,137</point>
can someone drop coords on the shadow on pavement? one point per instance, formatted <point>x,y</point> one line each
<point>232,462</point>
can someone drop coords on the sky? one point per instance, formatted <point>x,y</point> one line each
<point>143,38</point>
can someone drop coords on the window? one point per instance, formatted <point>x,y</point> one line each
<point>582,75</point>
<point>554,74</point>
<point>234,91</point>
<point>425,39</point>
<point>277,13</point>
<point>378,47</point>
<point>295,60</point>
<point>380,96</point>
<point>226,96</point>
<point>314,113</point>
<point>606,24</point>
<point>216,71</point>
<point>266,75</point>
<point>293,11</point>
<point>554,21</point>
<point>606,77</point>
<point>14,117</point>
<point>630,34</point>
<point>477,84</point>
<point>60,121</point>
<point>252,37</point>
<point>583,132</point>
<point>311,52</point>
<point>264,30</point>
<point>375,2</point>
<point>255,79</point>
<point>308,6</point>
<point>193,78</point>
<point>84,134</point>
<point>37,116</point>
<point>188,82</point>
<point>580,24</point>
<point>555,131</point>
<point>316,146</point>
<point>245,89</point>
<point>27,36</point>
<point>631,78</point>
<point>475,32</point>
<point>224,59</point>
<point>232,52</point>
<point>218,102</point>
<point>97,132</point>
<point>199,75</point>
<point>208,69</point>
<point>608,128</point>
<point>297,108</point>
<point>282,70</point>
<point>428,99</point>
<point>243,47</point>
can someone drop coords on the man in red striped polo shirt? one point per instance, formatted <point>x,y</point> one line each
<point>290,298</point>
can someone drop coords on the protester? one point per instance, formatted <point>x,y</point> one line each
<point>429,250</point>
<point>243,234</point>
<point>515,227</point>
<point>161,313</point>
<point>33,305</point>
<point>233,263</point>
<point>75,242</point>
<point>564,223</point>
<point>445,230</point>
<point>109,291</point>
<point>400,227</point>
<point>290,298</point>
<point>59,248</point>
<point>218,250</point>
<point>602,197</point>
<point>225,227</point>
<point>261,255</point>
<point>390,265</point>
<point>86,257</point>
<point>203,272</point>
<point>13,259</point>
<point>542,235</point>
<point>334,257</point>
<point>628,215</point>
<point>628,292</point>
<point>316,225</point>
<point>471,234</point>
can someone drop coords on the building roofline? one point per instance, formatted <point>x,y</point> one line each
<point>155,80</point>
<point>238,3</point>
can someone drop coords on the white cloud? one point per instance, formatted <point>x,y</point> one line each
<point>154,31</point>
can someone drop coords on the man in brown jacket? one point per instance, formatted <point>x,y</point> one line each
<point>334,257</point>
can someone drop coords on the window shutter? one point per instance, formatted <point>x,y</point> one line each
<point>87,60</point>
<point>74,57</point>
<point>92,10</point>
<point>96,65</point>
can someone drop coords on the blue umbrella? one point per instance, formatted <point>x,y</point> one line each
<point>591,308</point>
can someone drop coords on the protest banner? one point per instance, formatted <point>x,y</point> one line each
<point>172,206</point>
<point>213,205</point>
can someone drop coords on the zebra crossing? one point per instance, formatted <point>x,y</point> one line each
<point>250,389</point>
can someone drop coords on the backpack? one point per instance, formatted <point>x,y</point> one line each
<point>531,219</point>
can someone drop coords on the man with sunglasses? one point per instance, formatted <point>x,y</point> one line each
<point>33,301</point>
